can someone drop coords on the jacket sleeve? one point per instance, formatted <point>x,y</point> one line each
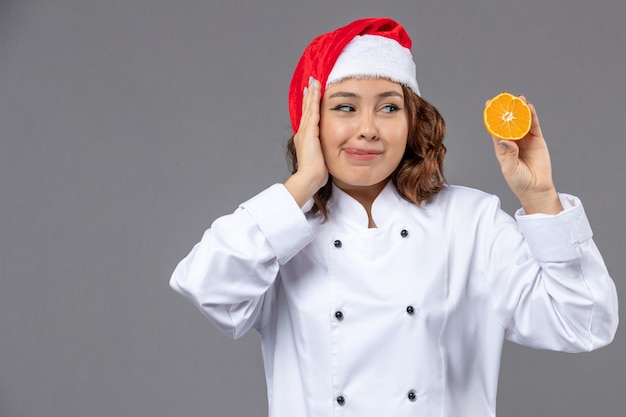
<point>230,274</point>
<point>553,288</point>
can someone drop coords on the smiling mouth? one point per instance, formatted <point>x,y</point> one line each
<point>356,152</point>
<point>361,154</point>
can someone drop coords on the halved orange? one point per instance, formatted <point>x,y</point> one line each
<point>507,117</point>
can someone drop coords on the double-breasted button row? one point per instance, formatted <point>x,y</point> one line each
<point>337,243</point>
<point>410,310</point>
<point>411,395</point>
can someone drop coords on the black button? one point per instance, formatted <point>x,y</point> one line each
<point>412,396</point>
<point>404,233</point>
<point>341,400</point>
<point>337,243</point>
<point>339,315</point>
<point>410,310</point>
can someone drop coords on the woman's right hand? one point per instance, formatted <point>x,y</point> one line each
<point>312,173</point>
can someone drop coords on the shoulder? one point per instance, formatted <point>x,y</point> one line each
<point>467,211</point>
<point>465,207</point>
<point>464,197</point>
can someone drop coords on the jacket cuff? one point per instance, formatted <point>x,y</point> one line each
<point>555,238</point>
<point>281,221</point>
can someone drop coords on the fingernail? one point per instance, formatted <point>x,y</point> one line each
<point>310,79</point>
<point>304,91</point>
<point>503,144</point>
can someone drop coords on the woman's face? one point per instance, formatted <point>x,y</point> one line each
<point>363,132</point>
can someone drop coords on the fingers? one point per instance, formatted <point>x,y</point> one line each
<point>307,136</point>
<point>535,127</point>
<point>310,107</point>
<point>309,152</point>
<point>507,152</point>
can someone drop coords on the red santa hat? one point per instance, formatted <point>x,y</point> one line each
<point>366,48</point>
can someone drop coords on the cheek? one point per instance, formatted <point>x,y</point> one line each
<point>398,136</point>
<point>332,133</point>
<point>325,138</point>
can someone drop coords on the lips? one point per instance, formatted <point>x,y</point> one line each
<point>353,151</point>
<point>361,155</point>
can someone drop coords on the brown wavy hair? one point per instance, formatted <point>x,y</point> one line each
<point>419,175</point>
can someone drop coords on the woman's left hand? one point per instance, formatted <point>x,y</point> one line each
<point>527,170</point>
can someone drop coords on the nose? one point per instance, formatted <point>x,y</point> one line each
<point>367,128</point>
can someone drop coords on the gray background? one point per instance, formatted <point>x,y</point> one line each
<point>127,126</point>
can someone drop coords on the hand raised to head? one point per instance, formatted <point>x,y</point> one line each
<point>312,173</point>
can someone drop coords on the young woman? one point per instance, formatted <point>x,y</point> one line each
<point>378,289</point>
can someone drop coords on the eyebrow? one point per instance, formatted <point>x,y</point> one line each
<point>349,94</point>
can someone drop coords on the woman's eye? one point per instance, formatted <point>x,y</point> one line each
<point>344,107</point>
<point>390,108</point>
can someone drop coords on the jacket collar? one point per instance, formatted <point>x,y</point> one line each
<point>346,209</point>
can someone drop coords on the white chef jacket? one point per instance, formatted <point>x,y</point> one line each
<point>406,319</point>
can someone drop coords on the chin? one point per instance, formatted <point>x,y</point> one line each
<point>351,183</point>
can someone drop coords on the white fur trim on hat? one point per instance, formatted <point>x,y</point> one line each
<point>373,56</point>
